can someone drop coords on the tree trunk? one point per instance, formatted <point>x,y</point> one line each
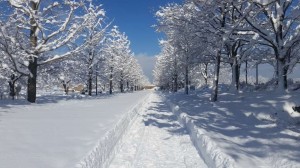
<point>121,86</point>
<point>66,86</point>
<point>90,74</point>
<point>175,83</point>
<point>282,75</point>
<point>175,75</point>
<point>31,82</point>
<point>235,74</point>
<point>214,96</point>
<point>110,80</point>
<point>90,83</point>
<point>32,67</point>
<point>12,91</point>
<point>256,67</point>
<point>246,74</point>
<point>122,83</point>
<point>96,82</point>
<point>205,73</point>
<point>186,79</point>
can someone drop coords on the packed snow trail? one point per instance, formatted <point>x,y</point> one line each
<point>157,140</point>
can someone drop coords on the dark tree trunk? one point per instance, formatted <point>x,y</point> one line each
<point>175,75</point>
<point>31,83</point>
<point>175,82</point>
<point>12,91</point>
<point>66,86</point>
<point>110,80</point>
<point>285,77</point>
<point>121,86</point>
<point>32,67</point>
<point>90,82</point>
<point>206,73</point>
<point>96,83</point>
<point>256,74</point>
<point>90,74</point>
<point>246,74</point>
<point>214,96</point>
<point>235,74</point>
<point>186,79</point>
<point>122,83</point>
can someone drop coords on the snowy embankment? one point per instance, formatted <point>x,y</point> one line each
<point>205,146</point>
<point>257,129</point>
<point>62,131</point>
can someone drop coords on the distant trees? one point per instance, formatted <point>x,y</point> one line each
<point>120,66</point>
<point>167,63</point>
<point>229,32</point>
<point>177,22</point>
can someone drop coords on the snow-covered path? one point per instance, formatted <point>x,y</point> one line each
<point>58,132</point>
<point>157,140</point>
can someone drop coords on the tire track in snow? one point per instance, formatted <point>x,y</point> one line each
<point>156,139</point>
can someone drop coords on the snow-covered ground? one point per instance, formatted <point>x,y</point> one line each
<point>157,140</point>
<point>59,131</point>
<point>152,129</point>
<point>257,129</point>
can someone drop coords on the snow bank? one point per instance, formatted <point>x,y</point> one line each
<point>209,151</point>
<point>250,129</point>
<point>104,152</point>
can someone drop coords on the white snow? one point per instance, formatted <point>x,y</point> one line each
<point>157,140</point>
<point>257,129</point>
<point>250,129</point>
<point>58,132</point>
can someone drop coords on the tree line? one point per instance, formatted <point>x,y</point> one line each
<point>64,41</point>
<point>200,36</point>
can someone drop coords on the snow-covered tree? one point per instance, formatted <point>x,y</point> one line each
<point>182,30</point>
<point>91,55</point>
<point>112,50</point>
<point>35,33</point>
<point>120,67</point>
<point>277,24</point>
<point>167,71</point>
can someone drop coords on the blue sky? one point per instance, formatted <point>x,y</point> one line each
<point>135,18</point>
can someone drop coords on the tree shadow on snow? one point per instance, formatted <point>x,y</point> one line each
<point>242,124</point>
<point>160,115</point>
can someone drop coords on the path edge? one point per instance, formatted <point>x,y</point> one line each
<point>105,150</point>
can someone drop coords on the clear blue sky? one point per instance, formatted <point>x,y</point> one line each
<point>135,18</point>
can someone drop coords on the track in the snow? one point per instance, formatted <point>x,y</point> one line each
<point>157,140</point>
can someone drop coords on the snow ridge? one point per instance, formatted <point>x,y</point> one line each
<point>208,150</point>
<point>108,146</point>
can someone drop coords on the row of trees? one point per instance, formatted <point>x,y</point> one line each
<point>201,34</point>
<point>63,40</point>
